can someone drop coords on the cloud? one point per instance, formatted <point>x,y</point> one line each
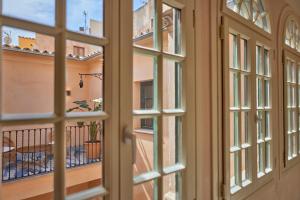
<point>39,11</point>
<point>43,11</point>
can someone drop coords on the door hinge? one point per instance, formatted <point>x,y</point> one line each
<point>222,32</point>
<point>283,57</point>
<point>284,158</point>
<point>222,191</point>
<point>194,19</point>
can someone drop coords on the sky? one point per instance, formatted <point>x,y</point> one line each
<point>43,11</point>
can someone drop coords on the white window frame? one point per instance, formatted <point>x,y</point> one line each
<point>248,22</point>
<point>109,188</point>
<point>232,25</point>
<point>292,54</point>
<point>187,111</point>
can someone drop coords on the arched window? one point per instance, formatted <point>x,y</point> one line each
<point>248,84</point>
<point>292,34</point>
<point>291,79</point>
<point>253,10</point>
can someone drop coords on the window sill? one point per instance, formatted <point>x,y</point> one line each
<point>144,131</point>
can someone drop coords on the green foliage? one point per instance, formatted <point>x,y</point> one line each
<point>83,105</point>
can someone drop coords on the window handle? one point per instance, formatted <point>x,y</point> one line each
<point>130,138</point>
<point>258,118</point>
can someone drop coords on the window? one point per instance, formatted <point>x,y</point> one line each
<point>292,34</point>
<point>252,10</point>
<point>248,109</point>
<point>78,51</point>
<point>240,111</point>
<point>263,111</point>
<point>147,102</point>
<point>113,81</point>
<point>59,132</point>
<point>158,57</point>
<point>291,79</point>
<point>292,117</point>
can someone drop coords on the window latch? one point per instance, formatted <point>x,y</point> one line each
<point>130,138</point>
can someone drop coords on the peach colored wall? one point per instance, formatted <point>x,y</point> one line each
<point>28,82</point>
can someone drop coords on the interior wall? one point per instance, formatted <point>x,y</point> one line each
<point>285,182</point>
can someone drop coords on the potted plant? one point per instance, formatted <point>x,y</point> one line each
<point>92,146</point>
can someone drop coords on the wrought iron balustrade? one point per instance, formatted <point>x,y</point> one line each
<point>28,152</point>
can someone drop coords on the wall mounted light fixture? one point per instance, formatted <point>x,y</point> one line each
<point>96,75</point>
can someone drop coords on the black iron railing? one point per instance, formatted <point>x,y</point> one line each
<point>29,152</point>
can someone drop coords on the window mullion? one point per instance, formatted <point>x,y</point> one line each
<point>263,96</point>
<point>159,45</point>
<point>240,112</point>
<point>253,160</point>
<point>297,108</point>
<point>59,101</point>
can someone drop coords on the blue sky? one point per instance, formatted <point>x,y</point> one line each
<point>42,11</point>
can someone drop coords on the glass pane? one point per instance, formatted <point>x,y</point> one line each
<point>259,67</point>
<point>289,116</point>
<point>268,156</point>
<point>294,121</point>
<point>234,167</point>
<point>288,71</point>
<point>233,54</point>
<point>290,147</point>
<point>245,164</point>
<point>172,140</point>
<point>295,145</point>
<point>172,84</point>
<point>267,124</point>
<point>42,12</point>
<point>260,159</point>
<point>293,96</point>
<point>145,191</point>
<point>240,7</point>
<point>171,29</point>
<point>234,129</point>
<point>84,149</point>
<point>289,99</point>
<point>267,93</point>
<point>144,82</point>
<point>146,145</point>
<point>144,23</point>
<point>259,92</point>
<point>234,89</point>
<point>85,17</point>
<point>27,153</point>
<point>84,81</point>
<point>245,136</point>
<point>260,16</point>
<point>172,185</point>
<point>260,134</point>
<point>27,72</point>
<point>244,55</point>
<point>293,73</point>
<point>245,90</point>
<point>267,62</point>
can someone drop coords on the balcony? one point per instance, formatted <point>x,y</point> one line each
<point>28,159</point>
